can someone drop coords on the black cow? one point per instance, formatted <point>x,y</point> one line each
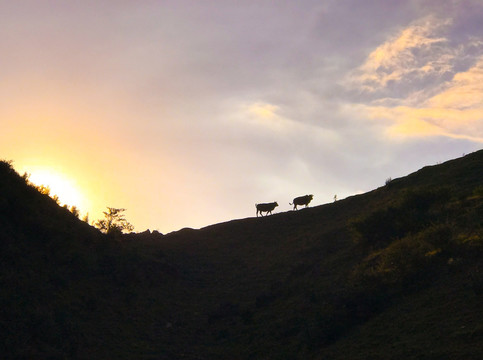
<point>268,208</point>
<point>301,200</point>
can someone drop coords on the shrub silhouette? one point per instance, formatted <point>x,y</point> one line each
<point>114,222</point>
<point>407,258</point>
<point>74,210</point>
<point>417,210</point>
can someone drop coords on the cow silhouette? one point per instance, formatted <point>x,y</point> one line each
<point>267,208</point>
<point>301,200</point>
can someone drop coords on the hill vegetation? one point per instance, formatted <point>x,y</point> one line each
<point>396,273</point>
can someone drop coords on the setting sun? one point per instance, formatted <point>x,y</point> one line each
<point>59,185</point>
<point>158,112</point>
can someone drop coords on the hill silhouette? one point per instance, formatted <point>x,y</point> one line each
<point>395,273</point>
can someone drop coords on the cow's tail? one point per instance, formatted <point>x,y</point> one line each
<point>290,203</point>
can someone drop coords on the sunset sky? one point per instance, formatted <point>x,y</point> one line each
<point>187,113</point>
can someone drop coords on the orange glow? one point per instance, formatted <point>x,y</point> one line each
<point>265,111</point>
<point>414,127</point>
<point>59,185</point>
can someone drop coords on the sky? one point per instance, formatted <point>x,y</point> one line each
<point>187,113</point>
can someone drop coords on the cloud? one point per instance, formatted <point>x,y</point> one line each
<point>456,111</point>
<point>222,100</point>
<point>424,81</point>
<point>403,122</point>
<point>267,117</point>
<point>267,121</point>
<point>463,92</point>
<point>266,111</point>
<point>418,51</point>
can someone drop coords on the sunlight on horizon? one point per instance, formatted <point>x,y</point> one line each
<point>149,107</point>
<point>65,188</point>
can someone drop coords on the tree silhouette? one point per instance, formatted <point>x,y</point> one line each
<point>114,222</point>
<point>86,218</point>
<point>75,211</point>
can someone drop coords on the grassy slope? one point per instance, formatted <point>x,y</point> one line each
<point>278,287</point>
<point>291,285</point>
<point>443,321</point>
<point>66,291</point>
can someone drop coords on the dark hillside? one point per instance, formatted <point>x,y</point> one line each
<point>396,273</point>
<point>62,283</point>
<point>296,283</point>
<point>458,175</point>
